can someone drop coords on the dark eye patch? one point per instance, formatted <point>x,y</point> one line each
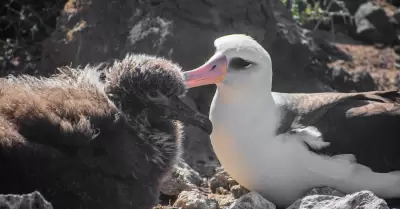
<point>239,63</point>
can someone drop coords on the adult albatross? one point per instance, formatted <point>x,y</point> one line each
<point>348,141</point>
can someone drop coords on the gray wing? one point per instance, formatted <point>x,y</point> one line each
<point>299,112</point>
<point>302,110</point>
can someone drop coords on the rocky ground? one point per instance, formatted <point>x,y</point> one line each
<point>221,191</point>
<point>375,58</point>
<point>353,55</point>
<point>380,63</point>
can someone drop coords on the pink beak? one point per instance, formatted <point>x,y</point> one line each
<point>211,72</point>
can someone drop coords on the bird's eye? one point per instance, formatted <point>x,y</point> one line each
<point>239,63</point>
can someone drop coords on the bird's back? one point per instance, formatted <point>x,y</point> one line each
<point>365,124</point>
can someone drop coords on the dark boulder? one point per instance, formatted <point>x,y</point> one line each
<point>373,25</point>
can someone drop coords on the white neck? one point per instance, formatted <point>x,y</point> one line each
<point>246,113</point>
<point>243,120</point>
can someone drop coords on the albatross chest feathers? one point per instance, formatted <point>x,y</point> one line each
<point>245,143</point>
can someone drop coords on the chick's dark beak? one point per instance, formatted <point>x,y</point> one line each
<point>178,110</point>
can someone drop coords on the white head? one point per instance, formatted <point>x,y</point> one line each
<point>239,62</point>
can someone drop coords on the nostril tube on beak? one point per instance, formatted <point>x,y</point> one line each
<point>211,72</point>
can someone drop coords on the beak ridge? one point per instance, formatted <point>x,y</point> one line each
<point>211,72</point>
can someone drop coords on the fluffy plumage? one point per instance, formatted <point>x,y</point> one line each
<point>85,143</point>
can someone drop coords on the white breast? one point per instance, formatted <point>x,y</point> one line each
<point>245,143</point>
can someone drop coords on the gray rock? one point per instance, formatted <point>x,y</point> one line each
<point>373,25</point>
<point>183,177</point>
<point>359,80</point>
<point>361,200</point>
<point>363,81</point>
<point>226,201</point>
<point>195,200</point>
<point>221,190</point>
<point>252,200</point>
<point>238,191</point>
<point>32,200</point>
<point>325,191</point>
<point>398,80</point>
<point>396,16</point>
<point>221,179</point>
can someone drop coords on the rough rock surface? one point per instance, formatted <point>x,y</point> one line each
<point>238,191</point>
<point>32,200</point>
<point>229,194</point>
<point>182,178</point>
<point>195,200</point>
<point>374,25</point>
<point>221,179</point>
<point>362,199</point>
<point>358,80</point>
<point>324,191</point>
<point>396,16</point>
<point>252,200</point>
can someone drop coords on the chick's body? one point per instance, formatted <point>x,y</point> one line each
<point>87,144</point>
